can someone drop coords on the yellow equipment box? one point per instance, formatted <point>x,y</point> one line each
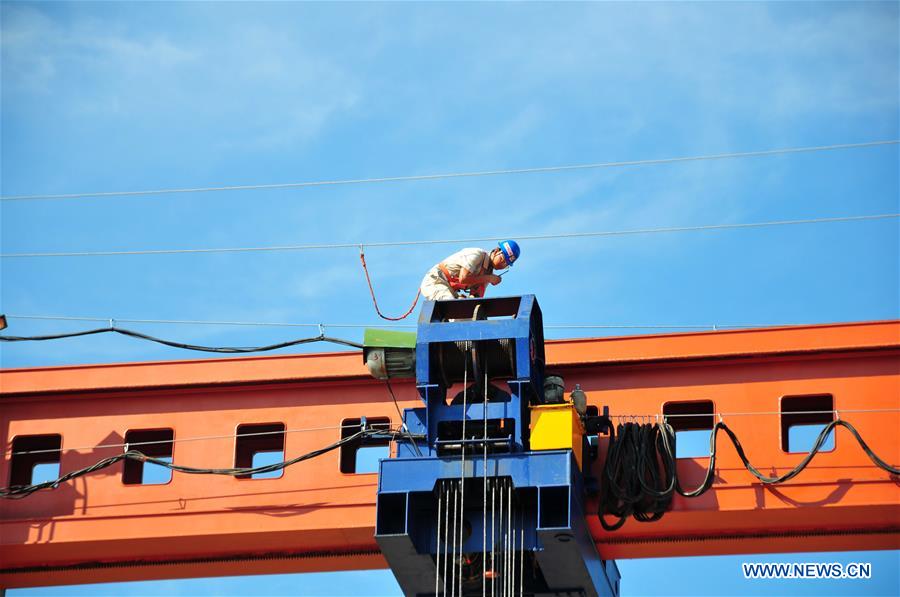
<point>557,427</point>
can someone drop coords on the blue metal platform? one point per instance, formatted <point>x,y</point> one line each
<point>475,449</point>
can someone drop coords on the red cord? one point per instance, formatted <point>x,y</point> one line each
<point>362,258</point>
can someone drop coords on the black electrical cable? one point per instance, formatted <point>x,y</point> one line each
<point>21,491</point>
<point>766,480</point>
<point>402,422</point>
<point>640,478</point>
<point>632,483</point>
<point>218,349</point>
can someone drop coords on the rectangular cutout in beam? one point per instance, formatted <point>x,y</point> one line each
<point>259,444</point>
<point>693,422</point>
<point>802,420</point>
<point>157,443</point>
<point>362,455</point>
<point>35,459</point>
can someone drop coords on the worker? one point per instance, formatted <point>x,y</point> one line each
<point>469,270</point>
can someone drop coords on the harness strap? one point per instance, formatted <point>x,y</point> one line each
<point>475,290</point>
<point>454,282</point>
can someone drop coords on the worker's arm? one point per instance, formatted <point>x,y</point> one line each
<point>469,279</point>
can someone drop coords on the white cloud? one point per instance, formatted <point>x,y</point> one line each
<point>255,79</point>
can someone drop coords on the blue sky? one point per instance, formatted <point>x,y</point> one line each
<point>133,96</point>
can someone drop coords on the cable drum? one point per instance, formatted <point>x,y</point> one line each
<point>497,356</point>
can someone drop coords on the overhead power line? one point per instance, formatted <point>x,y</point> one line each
<point>520,237</point>
<point>321,326</point>
<point>356,181</point>
<point>197,438</point>
<point>218,349</point>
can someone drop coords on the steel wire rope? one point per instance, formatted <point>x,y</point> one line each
<point>403,428</point>
<point>509,533</point>
<point>501,540</point>
<point>484,489</point>
<point>332,427</point>
<point>522,554</point>
<point>519,237</point>
<point>453,563</point>
<point>179,440</point>
<point>462,459</point>
<point>211,322</point>
<point>709,326</point>
<point>419,177</point>
<point>446,534</point>
<point>437,544</point>
<point>493,535</point>
<point>503,533</point>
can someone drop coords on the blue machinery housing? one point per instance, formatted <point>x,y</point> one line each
<point>469,450</point>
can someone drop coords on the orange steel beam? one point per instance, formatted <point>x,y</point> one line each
<point>315,518</point>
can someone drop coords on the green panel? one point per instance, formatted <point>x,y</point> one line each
<point>376,337</point>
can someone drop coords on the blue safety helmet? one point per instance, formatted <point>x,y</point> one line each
<point>510,250</point>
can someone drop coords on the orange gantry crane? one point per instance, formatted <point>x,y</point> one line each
<point>320,514</point>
